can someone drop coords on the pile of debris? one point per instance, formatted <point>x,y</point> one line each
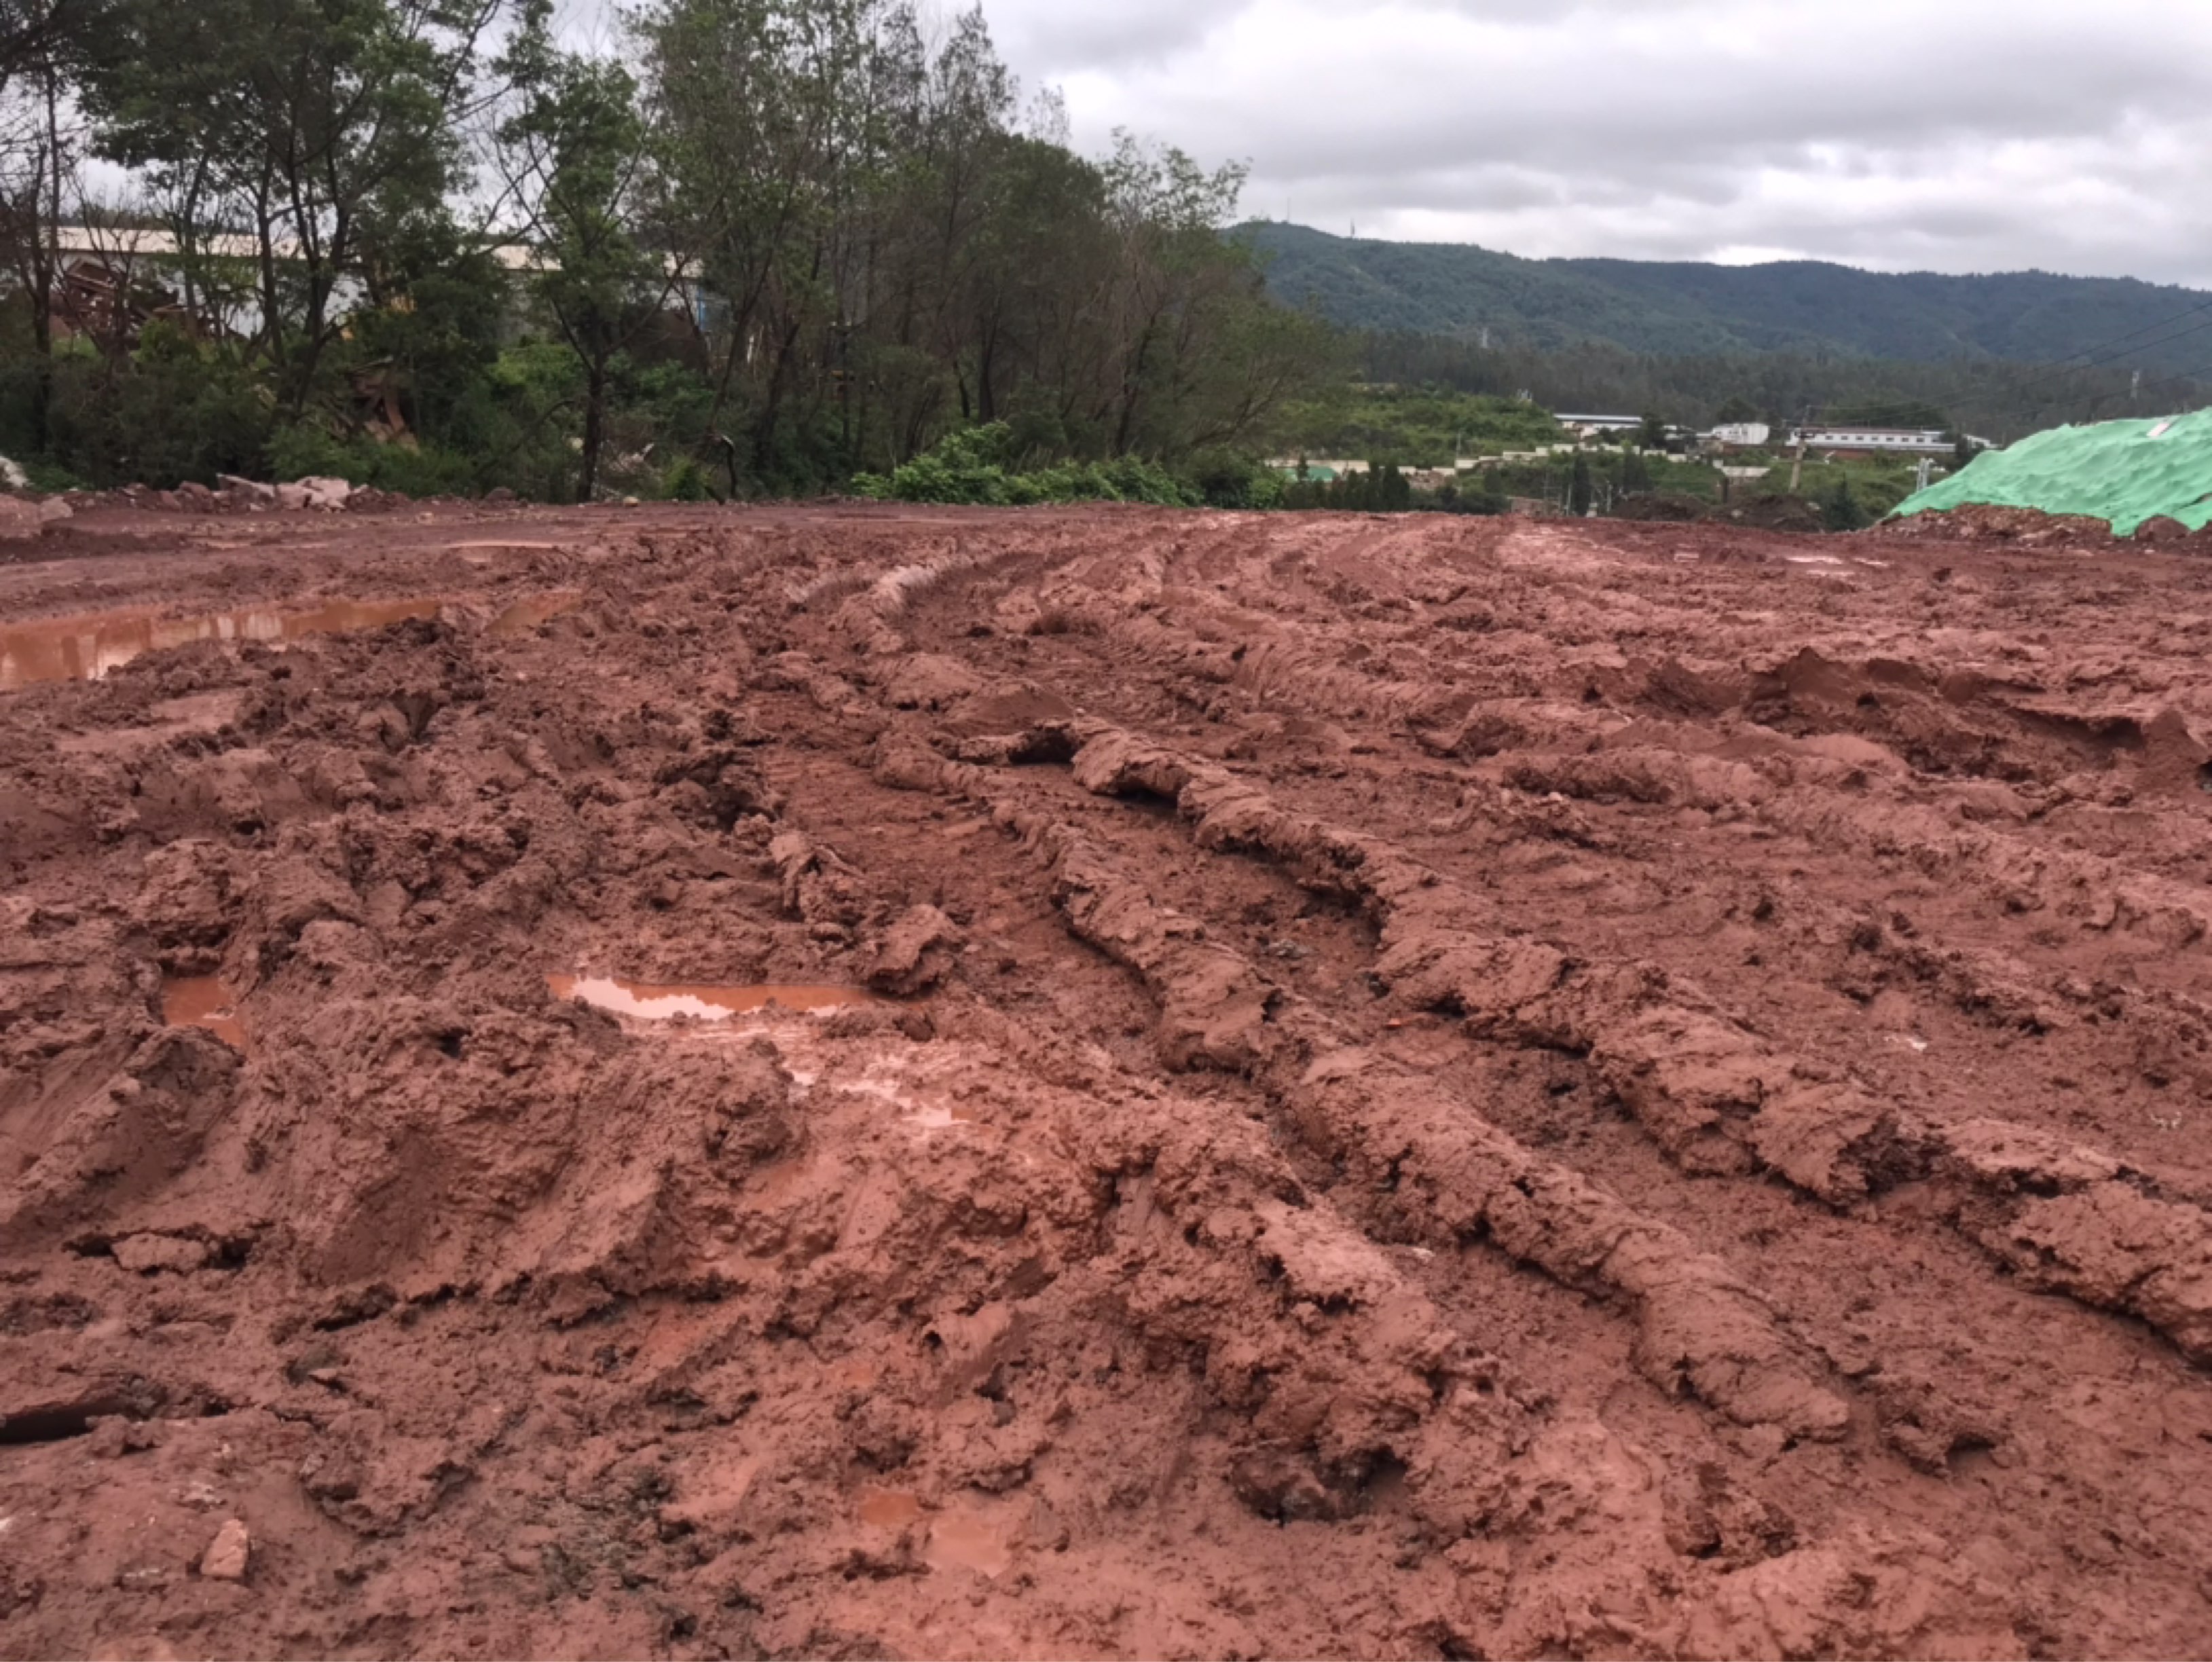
<point>234,494</point>
<point>2032,528</point>
<point>1791,513</point>
<point>26,516</point>
<point>1662,507</point>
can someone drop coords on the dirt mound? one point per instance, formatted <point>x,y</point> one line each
<point>2030,529</point>
<point>703,1083</point>
<point>1790,513</point>
<point>1662,507</point>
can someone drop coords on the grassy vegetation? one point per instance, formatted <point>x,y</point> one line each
<point>1417,426</point>
<point>1875,484</point>
<point>983,466</point>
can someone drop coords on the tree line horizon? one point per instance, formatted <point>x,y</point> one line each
<point>776,246</point>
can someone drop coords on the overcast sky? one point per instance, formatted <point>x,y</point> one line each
<point>2073,135</point>
<point>1944,134</point>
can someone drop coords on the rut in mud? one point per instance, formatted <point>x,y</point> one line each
<point>705,1084</point>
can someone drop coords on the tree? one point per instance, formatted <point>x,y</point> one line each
<point>1388,491</point>
<point>895,254</point>
<point>36,35</point>
<point>1652,435</point>
<point>769,119</point>
<point>1841,511</point>
<point>572,152</point>
<point>310,127</point>
<point>45,48</point>
<point>1580,490</point>
<point>1892,411</point>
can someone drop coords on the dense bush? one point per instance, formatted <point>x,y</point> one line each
<point>1225,480</point>
<point>1480,492</point>
<point>169,412</point>
<point>1382,490</point>
<point>975,466</point>
<point>1840,509</point>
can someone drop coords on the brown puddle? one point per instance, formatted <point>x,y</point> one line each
<point>651,1003</point>
<point>939,1117</point>
<point>501,545</point>
<point>524,616</point>
<point>202,1001</point>
<point>957,1540</point>
<point>86,648</point>
<point>889,1508</point>
<point>960,1540</point>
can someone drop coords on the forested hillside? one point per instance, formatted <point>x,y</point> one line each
<point>1999,400</point>
<point>1682,309</point>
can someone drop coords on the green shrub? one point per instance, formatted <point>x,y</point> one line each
<point>1226,480</point>
<point>1380,490</point>
<point>1840,509</point>
<point>971,467</point>
<point>686,482</point>
<point>170,412</point>
<point>306,451</point>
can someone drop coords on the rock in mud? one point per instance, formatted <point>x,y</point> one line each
<point>227,1555</point>
<point>915,953</point>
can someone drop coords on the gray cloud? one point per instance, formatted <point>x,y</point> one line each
<point>1048,41</point>
<point>1970,135</point>
<point>1963,135</point>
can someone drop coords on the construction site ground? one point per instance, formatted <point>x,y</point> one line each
<point>1367,1086</point>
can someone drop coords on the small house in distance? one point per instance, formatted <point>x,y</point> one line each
<point>1740,435</point>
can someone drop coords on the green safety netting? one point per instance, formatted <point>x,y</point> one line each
<point>2123,472</point>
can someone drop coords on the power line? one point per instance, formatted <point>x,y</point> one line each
<point>2073,369</point>
<point>2019,407</point>
<point>2037,407</point>
<point>2125,343</point>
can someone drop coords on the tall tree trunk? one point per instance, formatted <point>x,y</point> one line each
<point>595,427</point>
<point>45,261</point>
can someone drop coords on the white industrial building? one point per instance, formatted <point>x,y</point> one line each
<point>1590,425</point>
<point>1742,435</point>
<point>1890,441</point>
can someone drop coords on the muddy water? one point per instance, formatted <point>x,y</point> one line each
<point>203,1001</point>
<point>960,1540</point>
<point>526,616</point>
<point>956,1539</point>
<point>652,1002</point>
<point>889,1508</point>
<point>939,1117</point>
<point>86,648</point>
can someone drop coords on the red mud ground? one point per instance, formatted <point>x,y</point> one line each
<point>1438,1089</point>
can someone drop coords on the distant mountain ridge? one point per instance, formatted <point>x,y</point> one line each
<point>1683,308</point>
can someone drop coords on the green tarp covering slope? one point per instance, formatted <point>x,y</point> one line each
<point>2123,472</point>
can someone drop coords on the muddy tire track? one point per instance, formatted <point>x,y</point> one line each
<point>1363,1096</point>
